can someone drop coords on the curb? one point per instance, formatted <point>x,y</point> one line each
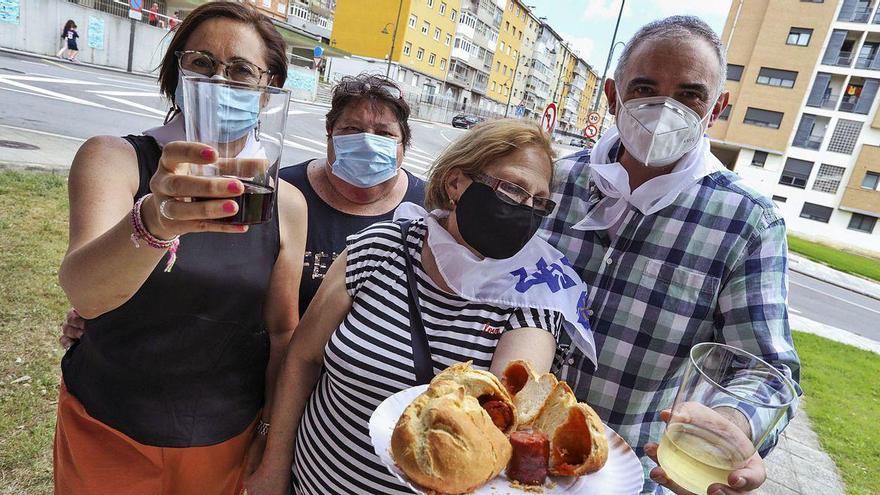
<point>836,284</point>
<point>25,167</point>
<point>81,64</point>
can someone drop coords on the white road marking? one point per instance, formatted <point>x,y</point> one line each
<point>834,297</point>
<point>52,134</point>
<point>71,99</point>
<point>50,79</point>
<point>32,63</point>
<point>135,105</point>
<point>793,311</point>
<point>124,93</point>
<point>30,93</point>
<point>322,144</point>
<point>146,85</point>
<point>298,146</point>
<point>296,112</point>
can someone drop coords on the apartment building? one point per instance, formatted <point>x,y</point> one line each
<point>312,16</point>
<point>803,124</point>
<point>473,52</point>
<point>509,57</point>
<point>422,38</point>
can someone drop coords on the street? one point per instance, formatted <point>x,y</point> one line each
<point>41,98</point>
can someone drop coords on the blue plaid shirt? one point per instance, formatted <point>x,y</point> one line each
<point>711,267</point>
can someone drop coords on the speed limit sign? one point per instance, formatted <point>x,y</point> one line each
<point>591,131</point>
<point>593,118</point>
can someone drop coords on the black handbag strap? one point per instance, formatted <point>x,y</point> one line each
<point>421,352</point>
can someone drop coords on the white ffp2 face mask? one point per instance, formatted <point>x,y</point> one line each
<point>658,130</point>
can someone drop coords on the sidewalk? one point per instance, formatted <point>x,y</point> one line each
<point>810,268</point>
<point>26,149</point>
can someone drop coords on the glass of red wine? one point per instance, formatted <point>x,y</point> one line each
<point>245,124</point>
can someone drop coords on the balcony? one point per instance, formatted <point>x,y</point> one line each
<point>860,14</point>
<point>810,142</point>
<point>810,132</point>
<point>842,59</point>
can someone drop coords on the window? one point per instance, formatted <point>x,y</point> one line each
<point>763,118</point>
<point>415,81</point>
<point>508,49</point>
<point>799,36</point>
<point>426,26</point>
<point>431,58</point>
<point>430,4</point>
<point>448,40</point>
<point>497,66</point>
<point>828,178</point>
<point>401,76</point>
<point>494,86</point>
<point>816,212</point>
<point>507,26</point>
<point>725,114</point>
<point>845,135</point>
<point>759,158</point>
<point>442,64</point>
<point>420,53</point>
<point>777,77</point>
<point>504,70</point>
<point>871,180</point>
<point>407,48</point>
<point>413,20</point>
<point>442,8</point>
<point>502,46</point>
<point>453,16</point>
<point>780,199</point>
<point>862,223</point>
<point>437,34</point>
<point>796,173</point>
<point>734,72</point>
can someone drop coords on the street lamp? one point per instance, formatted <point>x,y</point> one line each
<point>610,53</point>
<point>393,37</point>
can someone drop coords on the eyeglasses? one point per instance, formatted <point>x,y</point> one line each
<point>205,64</point>
<point>379,86</point>
<point>513,194</point>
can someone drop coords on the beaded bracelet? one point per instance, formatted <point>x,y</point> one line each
<point>140,232</point>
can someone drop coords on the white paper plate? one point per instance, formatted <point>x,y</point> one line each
<point>622,474</point>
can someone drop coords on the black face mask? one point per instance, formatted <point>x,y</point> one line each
<point>494,228</point>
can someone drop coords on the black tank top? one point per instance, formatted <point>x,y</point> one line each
<point>182,363</point>
<point>328,227</point>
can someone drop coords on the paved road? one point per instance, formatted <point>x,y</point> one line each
<point>79,102</point>
<point>832,305</point>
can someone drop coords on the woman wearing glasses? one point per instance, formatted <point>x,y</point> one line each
<point>355,345</point>
<point>360,181</point>
<point>164,390</point>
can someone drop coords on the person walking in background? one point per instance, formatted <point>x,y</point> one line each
<point>154,17</point>
<point>72,48</point>
<point>67,26</point>
<point>174,20</point>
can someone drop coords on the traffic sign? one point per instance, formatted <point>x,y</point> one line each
<point>319,52</point>
<point>548,120</point>
<point>591,131</point>
<point>593,118</point>
<point>134,9</point>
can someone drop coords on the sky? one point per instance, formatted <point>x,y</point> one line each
<point>589,24</point>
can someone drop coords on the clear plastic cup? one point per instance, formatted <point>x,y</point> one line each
<point>245,124</point>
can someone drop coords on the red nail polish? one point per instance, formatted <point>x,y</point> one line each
<point>243,228</point>
<point>229,207</point>
<point>207,153</point>
<point>233,187</point>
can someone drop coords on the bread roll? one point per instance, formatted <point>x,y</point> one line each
<point>529,389</point>
<point>488,391</point>
<point>446,442</point>
<point>577,436</point>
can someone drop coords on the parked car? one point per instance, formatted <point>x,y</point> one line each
<point>466,121</point>
<point>580,143</point>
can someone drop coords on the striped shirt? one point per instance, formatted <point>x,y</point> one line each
<point>709,267</point>
<point>369,358</point>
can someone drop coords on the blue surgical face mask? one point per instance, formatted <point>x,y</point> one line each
<point>364,160</point>
<point>238,109</point>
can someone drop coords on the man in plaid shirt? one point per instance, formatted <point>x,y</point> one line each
<point>675,254</point>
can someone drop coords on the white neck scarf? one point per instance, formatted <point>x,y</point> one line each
<point>612,179</point>
<point>537,277</point>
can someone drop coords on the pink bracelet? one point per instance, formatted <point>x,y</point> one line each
<point>141,233</point>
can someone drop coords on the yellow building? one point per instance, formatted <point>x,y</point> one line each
<point>588,97</point>
<point>507,61</point>
<point>803,124</point>
<point>425,31</point>
<point>566,115</point>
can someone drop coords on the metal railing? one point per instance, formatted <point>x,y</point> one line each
<point>866,62</point>
<point>848,104</point>
<point>844,59</point>
<point>859,15</point>
<point>120,9</point>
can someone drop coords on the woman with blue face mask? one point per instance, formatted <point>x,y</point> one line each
<point>166,388</point>
<point>360,181</point>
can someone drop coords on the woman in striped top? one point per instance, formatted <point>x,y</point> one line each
<point>354,346</point>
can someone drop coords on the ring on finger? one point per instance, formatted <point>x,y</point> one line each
<point>163,211</point>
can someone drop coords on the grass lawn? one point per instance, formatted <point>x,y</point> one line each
<point>835,258</point>
<point>33,237</point>
<point>841,382</point>
<point>843,401</point>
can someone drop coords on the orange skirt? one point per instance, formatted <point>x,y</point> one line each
<point>95,459</point>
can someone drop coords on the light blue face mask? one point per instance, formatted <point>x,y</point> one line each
<point>364,160</point>
<point>238,109</point>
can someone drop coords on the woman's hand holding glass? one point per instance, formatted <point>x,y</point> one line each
<point>170,211</point>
